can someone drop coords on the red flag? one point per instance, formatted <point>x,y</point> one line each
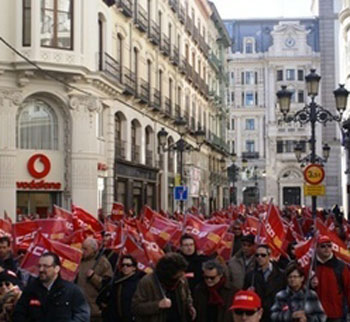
<point>117,211</point>
<point>304,253</point>
<point>70,257</point>
<point>116,240</point>
<point>274,228</point>
<point>207,236</point>
<point>24,233</point>
<point>225,247</point>
<point>83,220</point>
<point>251,226</point>
<point>338,245</point>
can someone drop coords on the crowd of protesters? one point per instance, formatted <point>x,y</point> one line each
<point>185,284</point>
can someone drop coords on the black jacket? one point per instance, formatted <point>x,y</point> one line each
<point>118,300</point>
<point>267,290</point>
<point>63,303</point>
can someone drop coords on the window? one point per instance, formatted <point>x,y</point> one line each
<point>300,75</point>
<point>300,96</point>
<point>27,22</point>
<point>249,124</point>
<point>232,124</point>
<point>280,75</point>
<point>279,146</point>
<point>233,147</point>
<point>289,146</point>
<point>290,74</point>
<point>232,96</point>
<point>249,78</point>
<point>37,126</point>
<point>249,46</point>
<point>56,24</point>
<point>232,78</point>
<point>249,99</point>
<point>250,146</point>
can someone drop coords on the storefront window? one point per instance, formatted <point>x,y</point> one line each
<point>37,126</point>
<point>56,23</point>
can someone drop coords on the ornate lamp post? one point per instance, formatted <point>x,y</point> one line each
<point>312,113</point>
<point>181,145</point>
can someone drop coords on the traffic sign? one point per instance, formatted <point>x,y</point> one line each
<point>181,193</point>
<point>314,190</point>
<point>314,174</point>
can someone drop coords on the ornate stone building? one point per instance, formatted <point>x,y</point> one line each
<point>85,88</point>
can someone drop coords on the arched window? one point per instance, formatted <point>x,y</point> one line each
<point>37,126</point>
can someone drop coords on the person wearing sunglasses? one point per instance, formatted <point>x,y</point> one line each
<point>116,304</point>
<point>246,307</point>
<point>295,303</point>
<point>213,297</point>
<point>266,279</point>
<point>332,281</point>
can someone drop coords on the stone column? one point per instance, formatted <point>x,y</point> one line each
<point>9,101</point>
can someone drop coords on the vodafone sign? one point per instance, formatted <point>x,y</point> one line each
<point>38,166</point>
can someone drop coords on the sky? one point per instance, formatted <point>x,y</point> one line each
<point>263,8</point>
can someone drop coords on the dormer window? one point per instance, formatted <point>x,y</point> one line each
<point>249,45</point>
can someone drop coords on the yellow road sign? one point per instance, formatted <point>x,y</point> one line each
<point>314,190</point>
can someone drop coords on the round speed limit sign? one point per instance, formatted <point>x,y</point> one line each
<point>314,174</point>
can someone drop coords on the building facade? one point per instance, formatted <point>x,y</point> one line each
<point>85,90</point>
<point>264,55</point>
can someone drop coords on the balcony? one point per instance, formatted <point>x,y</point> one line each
<point>174,56</point>
<point>183,65</point>
<point>129,81</point>
<point>189,72</point>
<point>181,14</point>
<point>140,20</point>
<point>143,93</point>
<point>111,68</point>
<point>177,111</point>
<point>195,34</point>
<point>250,155</point>
<point>173,5</point>
<point>119,149</point>
<point>165,45</point>
<point>215,62</point>
<point>189,25</point>
<point>135,153</point>
<point>153,33</point>
<point>155,102</point>
<point>149,158</point>
<point>125,6</point>
<point>168,108</point>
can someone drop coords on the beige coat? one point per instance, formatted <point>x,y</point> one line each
<point>91,286</point>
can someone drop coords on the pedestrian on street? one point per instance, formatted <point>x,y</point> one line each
<point>246,307</point>
<point>49,298</point>
<point>213,297</point>
<point>296,303</point>
<point>164,295</point>
<point>94,272</point>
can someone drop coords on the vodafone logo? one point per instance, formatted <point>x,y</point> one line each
<point>32,166</point>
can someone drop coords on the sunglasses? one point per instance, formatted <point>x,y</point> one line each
<point>326,246</point>
<point>209,278</point>
<point>8,284</point>
<point>127,265</point>
<point>261,255</point>
<point>247,313</point>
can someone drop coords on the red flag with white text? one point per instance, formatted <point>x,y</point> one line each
<point>117,213</point>
<point>84,220</point>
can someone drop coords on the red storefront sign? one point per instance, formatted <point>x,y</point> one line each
<point>35,173</point>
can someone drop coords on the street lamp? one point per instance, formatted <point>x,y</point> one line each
<point>181,145</point>
<point>312,113</point>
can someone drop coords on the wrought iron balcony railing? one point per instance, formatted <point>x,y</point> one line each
<point>125,6</point>
<point>141,19</point>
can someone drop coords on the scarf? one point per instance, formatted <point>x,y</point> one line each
<point>214,296</point>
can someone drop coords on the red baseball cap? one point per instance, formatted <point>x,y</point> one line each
<point>246,300</point>
<point>323,239</point>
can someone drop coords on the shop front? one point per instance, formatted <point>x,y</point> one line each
<point>39,183</point>
<point>135,186</point>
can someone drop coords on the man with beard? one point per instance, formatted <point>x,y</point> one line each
<point>94,271</point>
<point>49,298</point>
<point>195,261</point>
<point>164,295</point>
<point>213,297</point>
